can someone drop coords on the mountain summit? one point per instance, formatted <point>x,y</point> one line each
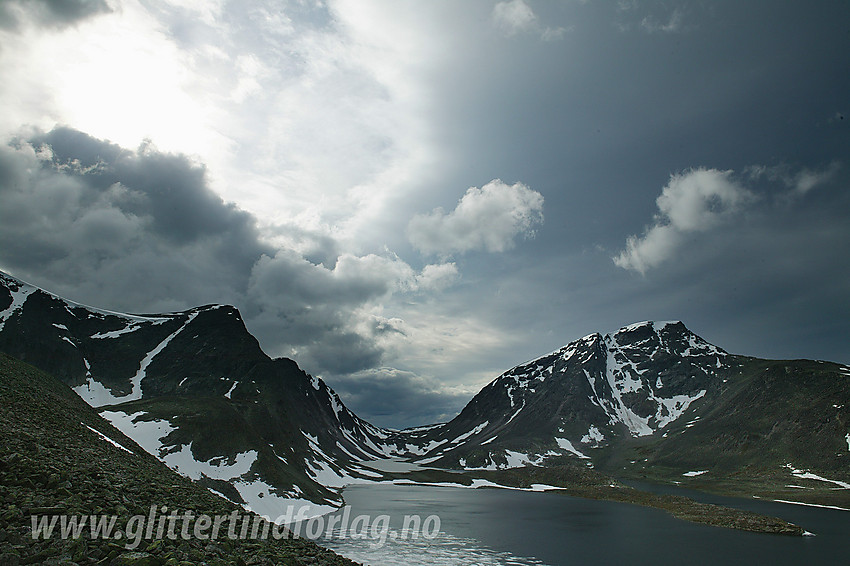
<point>195,389</point>
<point>654,400</point>
<point>651,400</point>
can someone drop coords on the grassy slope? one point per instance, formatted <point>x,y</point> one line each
<point>774,413</point>
<point>51,463</point>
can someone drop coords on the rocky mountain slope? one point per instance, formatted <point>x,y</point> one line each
<point>652,400</point>
<point>195,389</point>
<point>596,389</point>
<point>59,457</point>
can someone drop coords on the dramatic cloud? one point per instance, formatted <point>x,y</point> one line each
<point>136,229</point>
<point>489,218</point>
<point>323,313</point>
<point>398,398</point>
<point>141,230</point>
<point>324,127</point>
<point>692,202</point>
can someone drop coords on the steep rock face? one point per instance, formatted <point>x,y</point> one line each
<point>106,356</point>
<point>195,389</point>
<point>630,383</point>
<point>651,396</point>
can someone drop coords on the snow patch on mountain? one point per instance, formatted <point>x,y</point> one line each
<point>620,381</point>
<point>95,393</point>
<point>336,404</point>
<point>264,500</point>
<point>472,432</point>
<point>565,444</point>
<point>150,434</point>
<point>136,381</point>
<point>671,409</point>
<point>132,327</point>
<point>219,468</point>
<point>806,475</point>
<point>107,439</point>
<point>146,433</point>
<point>594,436</point>
<point>513,459</point>
<point>516,413</point>
<point>19,297</point>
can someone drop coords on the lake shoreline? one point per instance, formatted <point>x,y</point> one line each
<point>590,484</point>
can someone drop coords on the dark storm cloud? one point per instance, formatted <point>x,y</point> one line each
<point>87,207</point>
<point>315,303</point>
<point>303,301</point>
<point>141,231</point>
<point>48,13</point>
<point>398,399</point>
<point>166,188</point>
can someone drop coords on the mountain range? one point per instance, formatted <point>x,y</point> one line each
<point>650,401</point>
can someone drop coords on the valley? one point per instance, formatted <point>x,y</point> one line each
<point>652,402</point>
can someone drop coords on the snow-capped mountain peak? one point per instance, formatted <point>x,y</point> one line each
<point>633,382</point>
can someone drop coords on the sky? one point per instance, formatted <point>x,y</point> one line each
<point>409,198</point>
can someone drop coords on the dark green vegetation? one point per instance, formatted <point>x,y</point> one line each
<point>770,413</point>
<point>52,463</point>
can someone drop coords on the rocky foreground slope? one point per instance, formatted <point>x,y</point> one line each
<point>59,457</point>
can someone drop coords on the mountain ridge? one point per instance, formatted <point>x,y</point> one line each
<point>294,426</point>
<point>650,400</point>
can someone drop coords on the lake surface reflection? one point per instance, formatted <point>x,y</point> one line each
<point>495,527</point>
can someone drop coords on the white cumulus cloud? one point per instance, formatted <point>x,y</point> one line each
<point>437,277</point>
<point>695,201</point>
<point>489,218</point>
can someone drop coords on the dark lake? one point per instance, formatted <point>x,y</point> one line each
<point>495,526</point>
